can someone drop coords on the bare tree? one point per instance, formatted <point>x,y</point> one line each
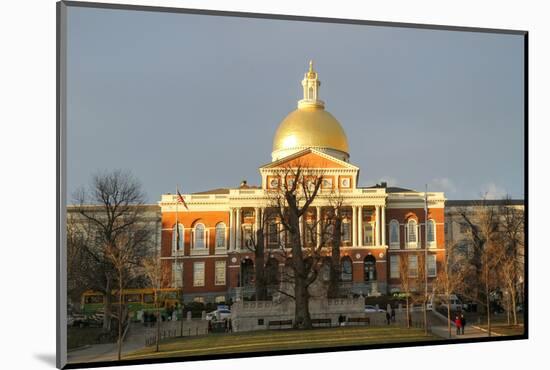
<point>152,266</point>
<point>331,231</point>
<point>407,285</point>
<point>483,232</point>
<point>450,278</point>
<point>111,208</point>
<point>299,187</point>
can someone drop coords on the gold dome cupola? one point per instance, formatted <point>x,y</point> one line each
<point>310,126</point>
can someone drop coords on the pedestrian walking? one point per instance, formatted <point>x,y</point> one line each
<point>392,314</point>
<point>458,324</point>
<point>341,320</point>
<point>462,322</point>
<point>225,325</point>
<point>229,326</point>
<point>388,318</point>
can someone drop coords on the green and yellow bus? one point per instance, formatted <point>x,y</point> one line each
<point>93,303</point>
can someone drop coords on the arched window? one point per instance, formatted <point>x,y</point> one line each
<point>199,237</point>
<point>431,233</point>
<point>369,265</point>
<point>178,238</point>
<point>220,236</point>
<point>394,234</point>
<point>412,234</point>
<point>347,271</point>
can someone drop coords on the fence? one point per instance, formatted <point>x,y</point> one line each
<point>175,333</point>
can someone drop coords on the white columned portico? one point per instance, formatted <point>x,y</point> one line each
<point>377,232</point>
<point>231,229</point>
<point>383,225</point>
<point>360,225</point>
<point>238,230</point>
<point>354,225</point>
<point>318,226</point>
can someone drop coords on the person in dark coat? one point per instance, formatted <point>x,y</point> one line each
<point>341,320</point>
<point>388,318</point>
<point>393,314</point>
<point>462,322</point>
<point>458,324</point>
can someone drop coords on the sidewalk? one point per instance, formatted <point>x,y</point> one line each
<point>469,332</point>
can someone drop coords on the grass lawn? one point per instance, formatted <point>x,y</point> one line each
<point>280,340</point>
<point>505,329</point>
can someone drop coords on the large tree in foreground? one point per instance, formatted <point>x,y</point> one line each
<point>299,186</point>
<point>111,213</point>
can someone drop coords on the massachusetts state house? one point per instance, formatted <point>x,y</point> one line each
<point>212,259</point>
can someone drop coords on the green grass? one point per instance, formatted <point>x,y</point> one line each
<point>505,329</point>
<point>281,340</point>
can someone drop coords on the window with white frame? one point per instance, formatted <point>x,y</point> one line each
<point>413,266</point>
<point>368,234</point>
<point>248,240</point>
<point>394,234</point>
<point>220,236</point>
<point>198,274</point>
<point>346,231</point>
<point>177,274</point>
<point>178,238</point>
<point>272,233</point>
<point>199,237</point>
<point>431,233</point>
<point>310,232</point>
<point>432,265</point>
<point>412,234</point>
<point>219,278</point>
<point>394,266</point>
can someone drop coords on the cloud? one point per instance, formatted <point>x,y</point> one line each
<point>492,191</point>
<point>443,184</point>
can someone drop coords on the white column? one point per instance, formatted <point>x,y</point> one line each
<point>318,226</point>
<point>354,225</point>
<point>231,229</point>
<point>383,225</point>
<point>238,231</point>
<point>360,225</point>
<point>378,228</point>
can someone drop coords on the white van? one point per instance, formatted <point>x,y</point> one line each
<point>441,300</point>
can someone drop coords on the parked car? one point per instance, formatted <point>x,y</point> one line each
<point>370,308</point>
<point>441,299</point>
<point>218,315</point>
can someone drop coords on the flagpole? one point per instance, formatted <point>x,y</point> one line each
<point>426,260</point>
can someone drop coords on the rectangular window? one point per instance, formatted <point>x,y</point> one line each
<point>368,235</point>
<point>310,232</point>
<point>432,265</point>
<point>346,234</point>
<point>177,274</point>
<point>220,273</point>
<point>198,274</point>
<point>248,240</point>
<point>413,266</point>
<point>272,234</point>
<point>394,267</point>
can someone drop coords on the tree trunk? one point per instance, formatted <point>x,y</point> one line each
<point>259,267</point>
<point>488,301</point>
<point>448,314</point>
<point>514,307</point>
<point>302,318</point>
<point>333,291</point>
<point>158,321</point>
<point>107,307</point>
<point>408,312</point>
<point>120,315</point>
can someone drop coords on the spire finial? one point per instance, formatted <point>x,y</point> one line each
<point>311,66</point>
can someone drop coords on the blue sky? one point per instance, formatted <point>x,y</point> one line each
<point>195,100</point>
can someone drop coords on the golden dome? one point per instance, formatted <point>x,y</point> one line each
<point>310,126</point>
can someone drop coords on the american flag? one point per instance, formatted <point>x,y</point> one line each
<point>181,200</point>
